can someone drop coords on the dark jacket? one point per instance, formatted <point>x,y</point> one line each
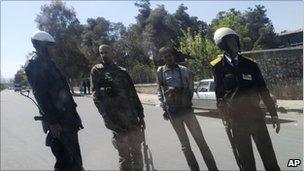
<point>243,86</point>
<point>52,92</point>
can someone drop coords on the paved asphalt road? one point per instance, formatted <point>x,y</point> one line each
<point>22,140</point>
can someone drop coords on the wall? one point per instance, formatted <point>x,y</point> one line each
<point>282,70</point>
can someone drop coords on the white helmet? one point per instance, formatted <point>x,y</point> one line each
<point>223,32</point>
<point>42,36</point>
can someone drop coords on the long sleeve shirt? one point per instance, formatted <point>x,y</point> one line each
<point>177,77</point>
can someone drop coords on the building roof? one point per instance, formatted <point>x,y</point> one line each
<point>290,32</point>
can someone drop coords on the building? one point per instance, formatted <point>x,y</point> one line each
<point>290,38</point>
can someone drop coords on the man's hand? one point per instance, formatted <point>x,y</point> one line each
<point>228,123</point>
<point>56,130</point>
<point>276,123</point>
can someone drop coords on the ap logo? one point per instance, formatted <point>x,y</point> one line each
<point>293,163</point>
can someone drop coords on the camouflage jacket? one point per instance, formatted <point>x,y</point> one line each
<point>115,96</point>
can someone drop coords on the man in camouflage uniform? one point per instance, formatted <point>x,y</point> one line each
<point>52,93</point>
<point>175,92</point>
<point>239,87</point>
<point>116,99</point>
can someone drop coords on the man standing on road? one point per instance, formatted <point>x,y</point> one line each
<point>116,99</point>
<point>239,87</point>
<point>51,90</point>
<point>175,92</point>
<point>89,86</point>
<point>84,87</point>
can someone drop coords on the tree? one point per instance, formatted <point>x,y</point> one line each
<point>161,30</point>
<point>95,33</point>
<point>254,27</point>
<point>144,12</point>
<point>236,21</point>
<point>260,28</point>
<point>61,22</point>
<point>20,77</point>
<point>200,49</point>
<point>186,21</point>
<point>56,18</point>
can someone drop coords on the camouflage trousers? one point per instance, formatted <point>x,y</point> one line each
<point>129,150</point>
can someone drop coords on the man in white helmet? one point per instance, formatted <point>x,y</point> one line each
<point>58,109</point>
<point>239,88</point>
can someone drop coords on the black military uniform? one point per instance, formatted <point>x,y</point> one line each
<point>56,102</point>
<point>116,99</point>
<point>240,83</point>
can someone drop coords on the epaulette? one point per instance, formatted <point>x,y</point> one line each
<point>250,59</point>
<point>98,66</point>
<point>216,60</point>
<point>122,68</point>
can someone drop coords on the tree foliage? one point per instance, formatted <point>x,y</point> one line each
<point>20,77</point>
<point>254,27</point>
<point>61,22</point>
<point>136,46</point>
<point>200,49</point>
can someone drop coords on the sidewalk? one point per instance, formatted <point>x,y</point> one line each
<point>291,105</point>
<point>148,99</point>
<point>284,106</point>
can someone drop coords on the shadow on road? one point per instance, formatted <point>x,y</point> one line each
<point>283,110</point>
<point>217,116</point>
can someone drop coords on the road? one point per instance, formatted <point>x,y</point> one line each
<point>22,139</point>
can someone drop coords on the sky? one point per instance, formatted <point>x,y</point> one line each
<point>17,20</point>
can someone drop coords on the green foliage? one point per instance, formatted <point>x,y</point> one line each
<point>201,49</point>
<point>136,47</point>
<point>260,28</point>
<point>142,73</point>
<point>253,26</point>
<point>95,33</point>
<point>61,22</point>
<point>236,21</point>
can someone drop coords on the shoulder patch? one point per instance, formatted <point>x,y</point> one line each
<point>122,68</point>
<point>98,66</point>
<point>159,68</point>
<point>216,60</point>
<point>250,59</point>
<point>182,67</point>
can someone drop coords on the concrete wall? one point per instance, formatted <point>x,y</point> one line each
<point>146,88</point>
<point>282,70</point>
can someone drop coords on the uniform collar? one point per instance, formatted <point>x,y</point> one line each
<point>228,59</point>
